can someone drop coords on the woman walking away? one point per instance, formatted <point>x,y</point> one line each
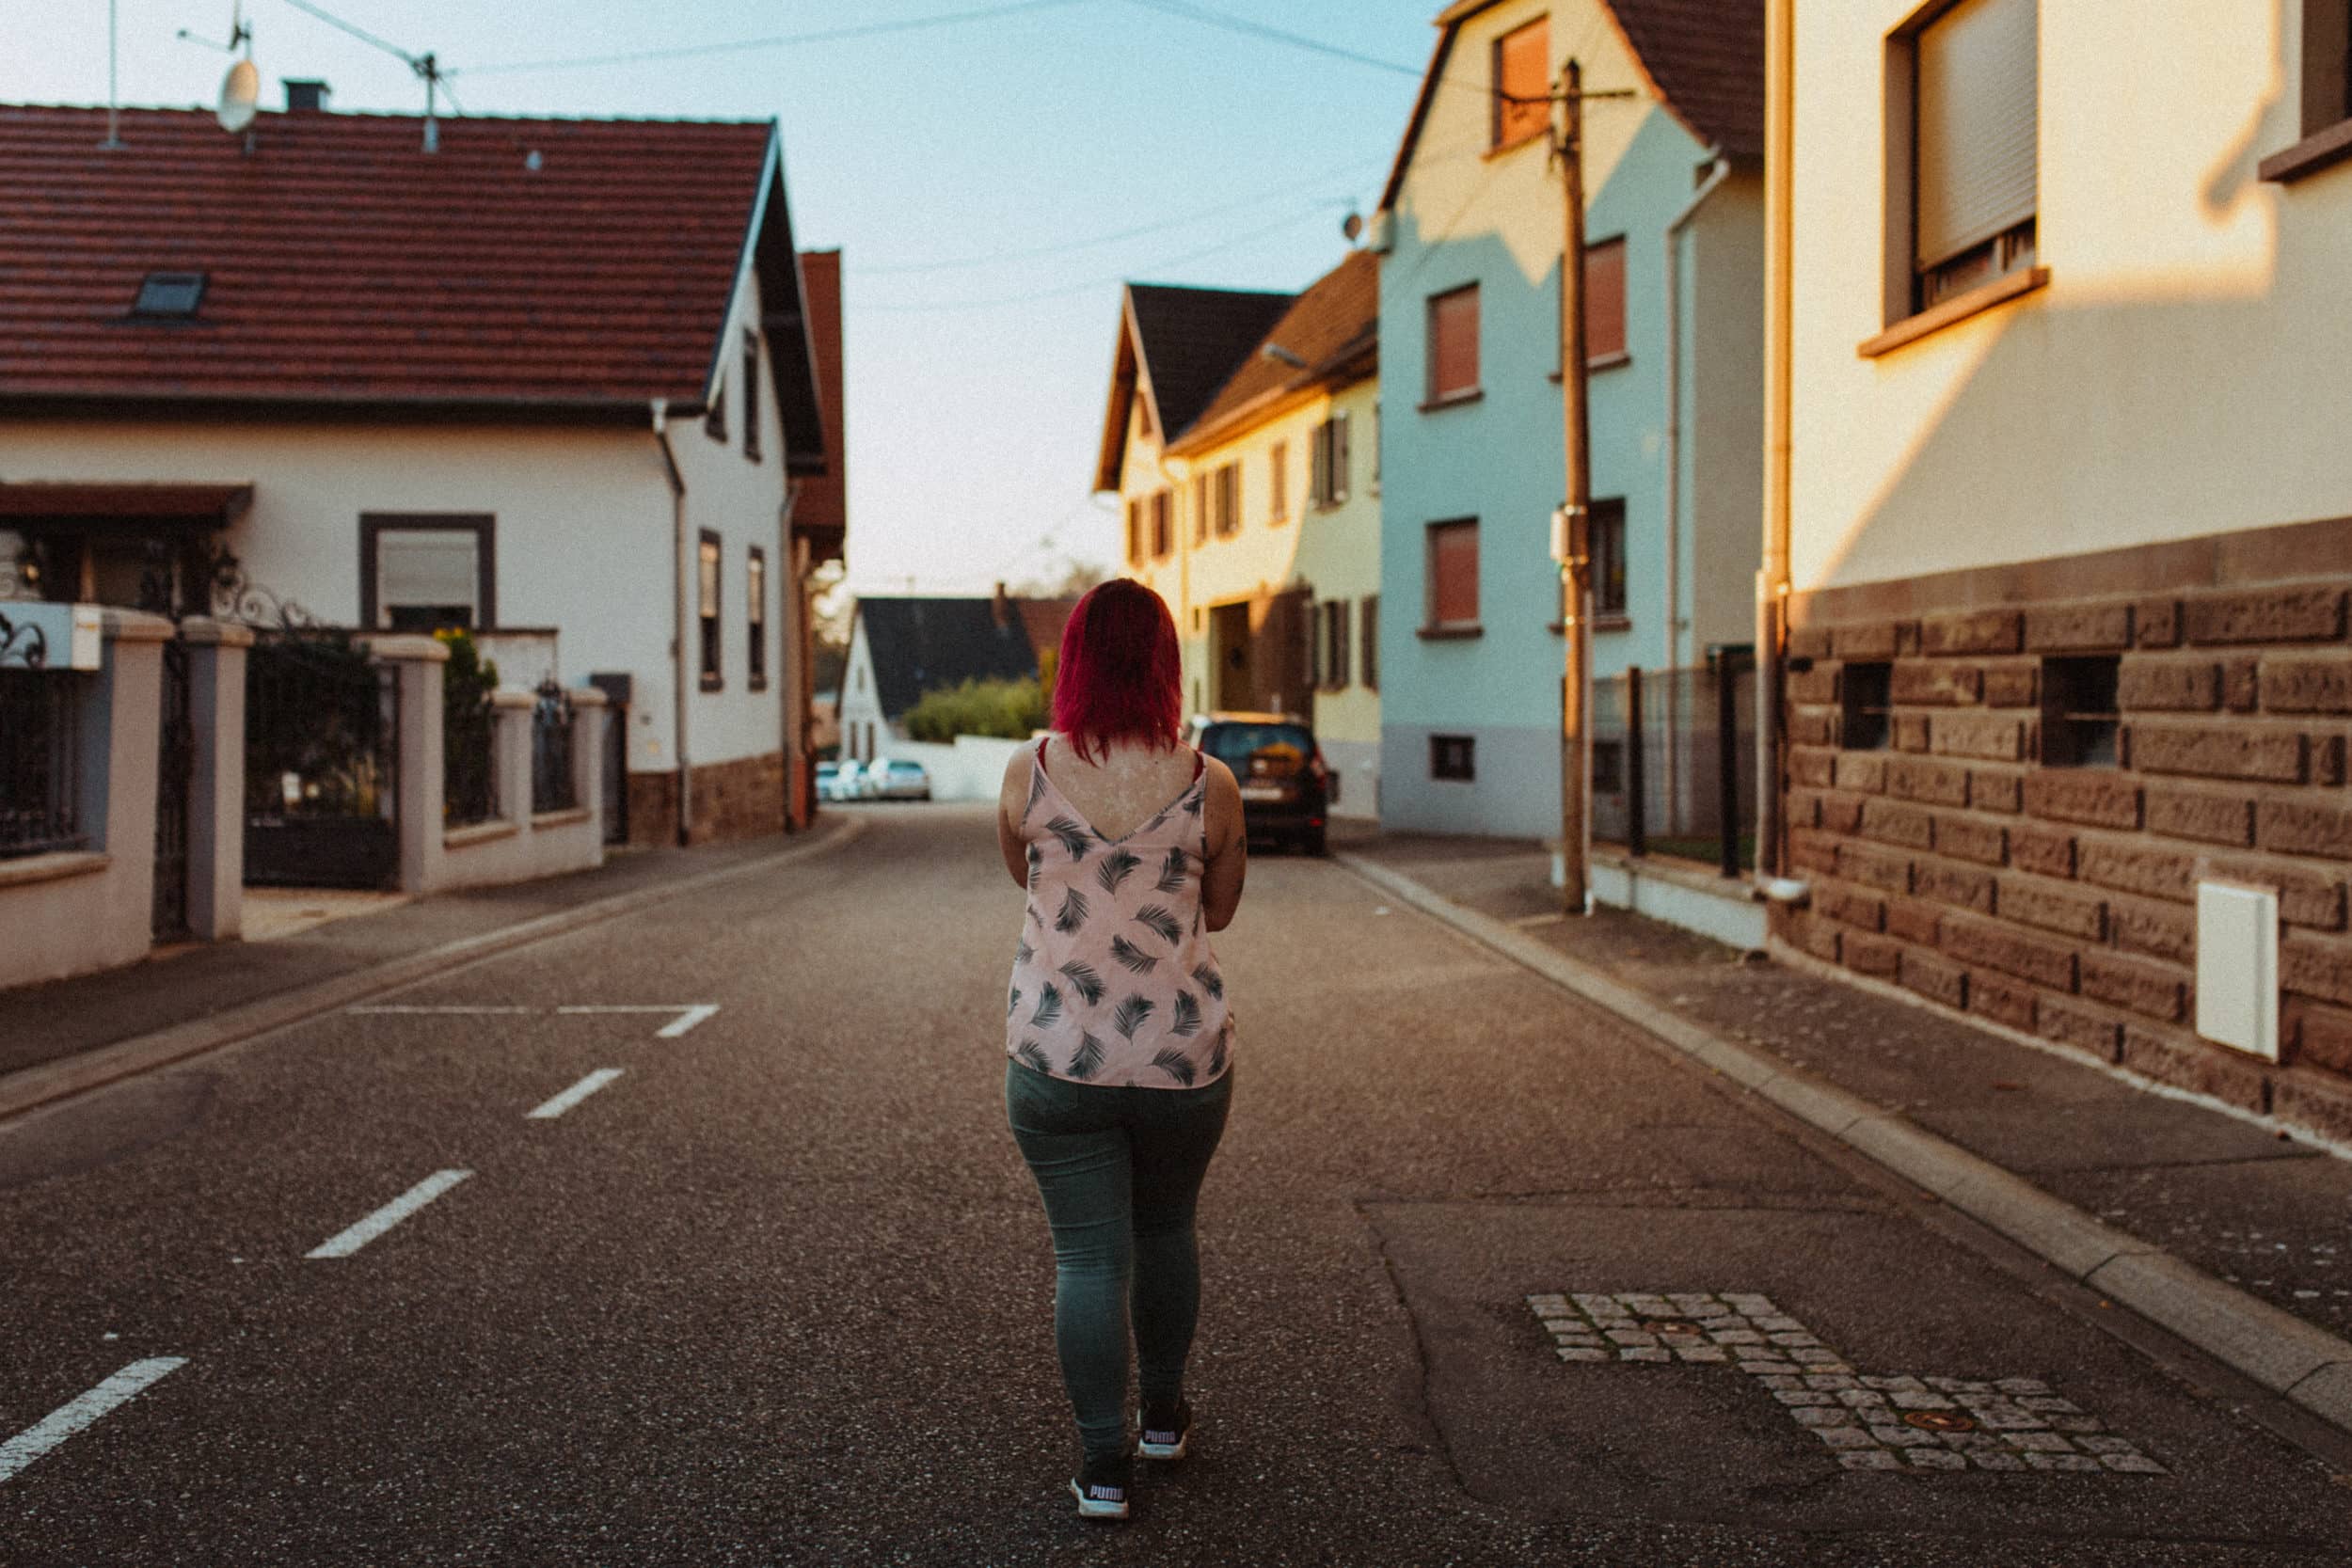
<point>1119,1039</point>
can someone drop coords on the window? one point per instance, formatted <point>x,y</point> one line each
<point>1327,462</point>
<point>755,651</point>
<point>1864,724</point>
<point>1135,532</point>
<point>164,295</point>
<point>1606,535</point>
<point>1331,645</point>
<point>1608,767</point>
<point>751,395</point>
<point>1228,510</point>
<point>1200,508</point>
<point>706,584</point>
<point>427,572</point>
<point>1368,634</point>
<point>2079,712</point>
<point>1604,302</point>
<point>1162,530</point>
<point>2326,93</point>
<point>1965,185</point>
<point>1453,576</point>
<point>1278,476</point>
<point>1522,78</point>
<point>1453,344</point>
<point>1454,757</point>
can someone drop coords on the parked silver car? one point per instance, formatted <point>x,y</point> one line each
<point>845,781</point>
<point>899,779</point>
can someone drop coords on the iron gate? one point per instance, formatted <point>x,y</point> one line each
<point>175,765</point>
<point>321,763</point>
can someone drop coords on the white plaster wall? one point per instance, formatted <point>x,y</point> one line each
<point>2181,375</point>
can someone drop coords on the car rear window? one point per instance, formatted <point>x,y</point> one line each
<point>1284,748</point>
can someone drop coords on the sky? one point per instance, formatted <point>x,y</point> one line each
<point>975,175</point>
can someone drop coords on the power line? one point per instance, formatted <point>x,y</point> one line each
<point>778,41</point>
<point>1258,29</point>
<point>1289,222</point>
<point>341,25</point>
<point>910,267</point>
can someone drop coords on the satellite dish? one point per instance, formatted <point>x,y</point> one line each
<point>239,97</point>
<point>1351,226</point>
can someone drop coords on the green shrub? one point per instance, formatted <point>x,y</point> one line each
<point>1013,710</point>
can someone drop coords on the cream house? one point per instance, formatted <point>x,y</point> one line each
<point>555,382</point>
<point>1242,438</point>
<point>2059,543</point>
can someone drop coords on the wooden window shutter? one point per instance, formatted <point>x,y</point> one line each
<point>1976,108</point>
<point>1604,300</point>
<point>1454,574</point>
<point>1522,67</point>
<point>1200,508</point>
<point>1454,343</point>
<point>1338,457</point>
<point>1135,530</point>
<point>1369,635</point>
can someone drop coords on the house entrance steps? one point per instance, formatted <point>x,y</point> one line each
<point>2223,1228</point>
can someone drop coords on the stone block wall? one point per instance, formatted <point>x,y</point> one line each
<point>743,798</point>
<point>2059,900</point>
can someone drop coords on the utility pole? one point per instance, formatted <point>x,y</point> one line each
<point>1572,533</point>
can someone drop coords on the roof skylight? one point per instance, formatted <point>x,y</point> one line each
<point>170,294</point>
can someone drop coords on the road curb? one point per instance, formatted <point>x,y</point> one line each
<point>37,1087</point>
<point>2278,1349</point>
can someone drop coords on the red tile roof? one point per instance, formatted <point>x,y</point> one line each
<point>1183,343</point>
<point>820,503</point>
<point>345,265</point>
<point>1334,328</point>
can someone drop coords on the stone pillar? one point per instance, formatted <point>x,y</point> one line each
<point>217,653</point>
<point>510,754</point>
<point>419,661</point>
<point>590,715</point>
<point>119,740</point>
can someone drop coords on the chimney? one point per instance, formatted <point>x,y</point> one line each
<point>304,95</point>
<point>1002,609</point>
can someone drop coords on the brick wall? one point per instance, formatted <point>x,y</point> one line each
<point>2059,900</point>
<point>743,798</point>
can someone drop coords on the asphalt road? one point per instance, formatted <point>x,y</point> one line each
<point>780,1290</point>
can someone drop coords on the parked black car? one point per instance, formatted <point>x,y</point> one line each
<point>1286,790</point>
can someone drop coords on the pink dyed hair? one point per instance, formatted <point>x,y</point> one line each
<point>1119,678</point>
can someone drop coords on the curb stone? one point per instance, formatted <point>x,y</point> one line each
<point>2307,1365</point>
<point>37,1087</point>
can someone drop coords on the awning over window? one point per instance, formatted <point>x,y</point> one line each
<point>108,501</point>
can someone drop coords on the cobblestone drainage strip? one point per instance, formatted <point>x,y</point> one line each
<point>1870,1423</point>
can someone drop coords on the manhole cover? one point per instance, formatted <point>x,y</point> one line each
<point>1939,1420</point>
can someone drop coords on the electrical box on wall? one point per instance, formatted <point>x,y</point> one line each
<point>2238,968</point>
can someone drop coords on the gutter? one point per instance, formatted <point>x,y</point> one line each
<point>661,410</point>
<point>1676,622</point>
<point>1772,582</point>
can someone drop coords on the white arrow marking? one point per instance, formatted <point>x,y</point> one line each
<point>573,1094</point>
<point>76,1413</point>
<point>344,1243</point>
<point>689,1014</point>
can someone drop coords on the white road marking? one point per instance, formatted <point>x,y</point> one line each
<point>573,1094</point>
<point>443,1012</point>
<point>1554,918</point>
<point>348,1242</point>
<point>72,1416</point>
<point>689,1014</point>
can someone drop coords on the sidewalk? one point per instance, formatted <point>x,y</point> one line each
<point>51,1022</point>
<point>2253,1208</point>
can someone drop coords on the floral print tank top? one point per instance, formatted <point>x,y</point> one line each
<point>1113,982</point>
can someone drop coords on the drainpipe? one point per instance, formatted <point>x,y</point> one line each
<point>1772,582</point>
<point>1675,622</point>
<point>677,628</point>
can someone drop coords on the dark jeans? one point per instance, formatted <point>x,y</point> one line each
<point>1120,1169</point>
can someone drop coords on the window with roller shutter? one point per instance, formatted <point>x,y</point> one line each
<point>1604,302</point>
<point>1522,83</point>
<point>1971,74</point>
<point>1453,576</point>
<point>1453,345</point>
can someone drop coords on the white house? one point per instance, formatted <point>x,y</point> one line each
<point>555,382</point>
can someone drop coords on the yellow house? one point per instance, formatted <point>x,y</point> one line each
<point>2059,526</point>
<point>1242,438</point>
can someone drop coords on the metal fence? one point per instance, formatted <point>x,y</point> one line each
<point>468,760</point>
<point>1674,761</point>
<point>551,781</point>
<point>40,762</point>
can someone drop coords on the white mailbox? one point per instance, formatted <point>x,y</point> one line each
<point>51,636</point>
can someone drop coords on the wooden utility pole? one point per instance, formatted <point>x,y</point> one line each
<point>1576,578</point>
<point>1576,570</point>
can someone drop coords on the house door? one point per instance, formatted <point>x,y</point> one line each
<point>175,760</point>
<point>1232,682</point>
